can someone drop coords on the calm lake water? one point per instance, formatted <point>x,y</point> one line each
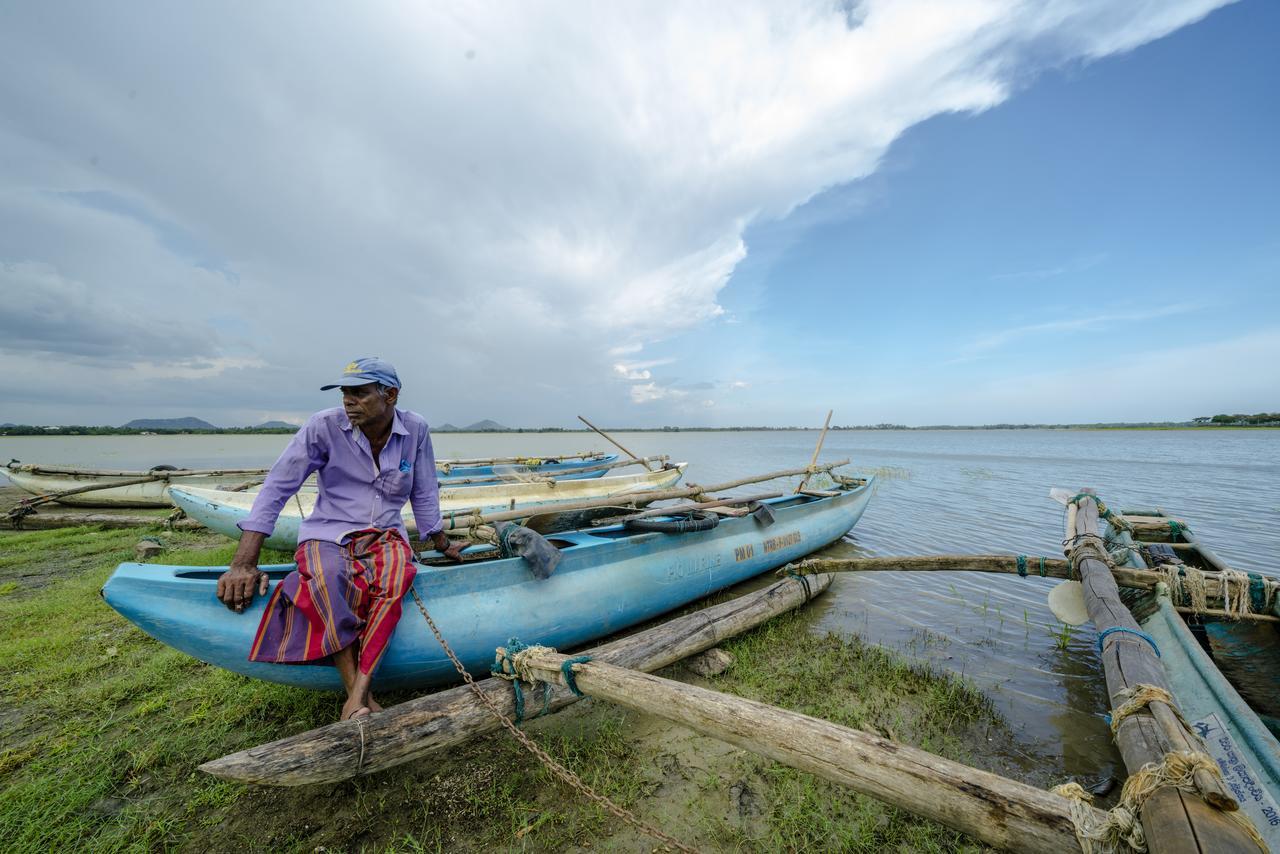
<point>947,491</point>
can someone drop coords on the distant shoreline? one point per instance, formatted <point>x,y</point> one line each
<point>23,431</point>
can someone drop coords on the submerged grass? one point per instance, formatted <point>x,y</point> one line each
<point>101,729</point>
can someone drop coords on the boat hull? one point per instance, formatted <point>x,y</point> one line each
<point>607,580</point>
<point>221,511</point>
<point>45,481</point>
<point>153,494</point>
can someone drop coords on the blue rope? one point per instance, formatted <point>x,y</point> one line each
<point>1257,593</point>
<point>504,665</point>
<point>1043,573</point>
<point>1022,565</point>
<point>567,669</point>
<point>808,591</point>
<point>1146,637</point>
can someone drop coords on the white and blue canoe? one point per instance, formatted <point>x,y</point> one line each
<point>221,510</point>
<point>608,579</point>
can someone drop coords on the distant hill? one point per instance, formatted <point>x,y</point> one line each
<point>275,425</point>
<point>485,426</point>
<point>169,424</point>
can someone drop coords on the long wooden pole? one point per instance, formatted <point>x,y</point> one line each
<point>998,811</point>
<point>460,519</point>
<point>609,438</point>
<point>822,437</point>
<point>1134,579</point>
<point>1174,820</point>
<point>436,722</point>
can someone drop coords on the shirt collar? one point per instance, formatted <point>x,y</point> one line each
<point>397,425</point>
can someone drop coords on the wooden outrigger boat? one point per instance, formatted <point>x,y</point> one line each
<point>1202,760</point>
<point>609,578</point>
<point>220,510</point>
<point>115,488</point>
<point>123,488</point>
<point>1222,663</point>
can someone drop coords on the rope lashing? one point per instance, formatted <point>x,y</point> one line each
<point>1117,521</point>
<point>1177,770</point>
<point>1139,697</point>
<point>1242,593</point>
<point>808,591</point>
<point>1176,527</point>
<point>566,669</point>
<point>1022,566</point>
<point>1262,592</point>
<point>506,666</point>
<point>1119,831</point>
<point>1121,826</point>
<point>1084,547</point>
<point>1102,636</point>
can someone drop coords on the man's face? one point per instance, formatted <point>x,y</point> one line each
<point>367,404</point>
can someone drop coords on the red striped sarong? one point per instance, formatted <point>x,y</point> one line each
<point>338,595</point>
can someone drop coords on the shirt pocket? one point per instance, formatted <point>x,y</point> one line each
<point>396,485</point>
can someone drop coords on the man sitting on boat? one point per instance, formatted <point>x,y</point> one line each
<point>342,603</point>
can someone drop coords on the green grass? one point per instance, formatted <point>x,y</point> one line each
<point>101,730</point>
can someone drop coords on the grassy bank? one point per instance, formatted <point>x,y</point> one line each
<point>102,728</point>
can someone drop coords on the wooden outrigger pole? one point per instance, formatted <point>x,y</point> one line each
<point>427,725</point>
<point>996,810</point>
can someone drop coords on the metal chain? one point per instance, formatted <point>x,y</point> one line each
<point>567,776</point>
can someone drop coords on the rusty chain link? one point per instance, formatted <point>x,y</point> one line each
<point>567,776</point>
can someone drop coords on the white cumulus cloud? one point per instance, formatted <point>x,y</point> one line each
<point>505,197</point>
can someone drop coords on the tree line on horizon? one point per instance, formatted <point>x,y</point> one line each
<point>1260,419</point>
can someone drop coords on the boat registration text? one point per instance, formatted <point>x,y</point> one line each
<point>772,544</point>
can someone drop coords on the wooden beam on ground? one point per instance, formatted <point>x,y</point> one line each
<point>44,520</point>
<point>427,725</point>
<point>998,811</point>
<point>1174,820</point>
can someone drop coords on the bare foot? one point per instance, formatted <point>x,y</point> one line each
<point>354,708</point>
<point>373,704</point>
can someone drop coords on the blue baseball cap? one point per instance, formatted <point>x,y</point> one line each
<point>370,369</point>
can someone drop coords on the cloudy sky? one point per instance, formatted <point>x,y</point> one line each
<point>957,211</point>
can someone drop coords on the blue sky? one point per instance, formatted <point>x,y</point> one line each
<point>922,213</point>
<point>1134,197</point>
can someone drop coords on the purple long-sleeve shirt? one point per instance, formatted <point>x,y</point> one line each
<point>354,493</point>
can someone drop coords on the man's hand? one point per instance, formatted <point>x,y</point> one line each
<point>237,585</point>
<point>450,549</point>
